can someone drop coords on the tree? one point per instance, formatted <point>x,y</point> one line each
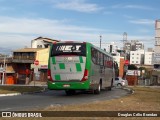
<point>132,67</point>
<point>147,72</point>
<point>142,68</point>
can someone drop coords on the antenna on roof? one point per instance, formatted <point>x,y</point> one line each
<point>124,39</point>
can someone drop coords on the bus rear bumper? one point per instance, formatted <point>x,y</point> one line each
<point>68,85</point>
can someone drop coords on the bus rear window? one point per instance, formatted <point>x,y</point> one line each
<point>69,49</point>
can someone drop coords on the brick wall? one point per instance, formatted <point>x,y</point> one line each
<point>121,66</point>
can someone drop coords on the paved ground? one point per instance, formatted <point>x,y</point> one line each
<point>44,99</point>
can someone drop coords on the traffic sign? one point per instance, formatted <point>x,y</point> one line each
<point>36,62</point>
<point>126,62</point>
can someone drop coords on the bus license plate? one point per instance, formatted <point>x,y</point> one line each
<point>66,85</point>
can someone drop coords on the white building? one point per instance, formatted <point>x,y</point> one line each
<point>41,42</point>
<point>148,58</point>
<point>157,44</point>
<point>137,57</point>
<point>117,58</point>
<point>133,45</point>
<point>111,48</point>
<point>139,45</point>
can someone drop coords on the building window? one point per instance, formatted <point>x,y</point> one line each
<point>132,61</point>
<point>136,61</point>
<point>137,57</point>
<point>39,46</point>
<point>132,57</point>
<point>132,53</point>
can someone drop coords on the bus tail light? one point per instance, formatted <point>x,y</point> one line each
<point>49,75</point>
<point>85,76</point>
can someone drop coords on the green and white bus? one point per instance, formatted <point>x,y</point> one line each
<point>76,65</point>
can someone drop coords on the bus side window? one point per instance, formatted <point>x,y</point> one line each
<point>109,62</point>
<point>93,55</point>
<point>112,64</point>
<point>105,60</point>
<point>98,58</point>
<point>101,58</point>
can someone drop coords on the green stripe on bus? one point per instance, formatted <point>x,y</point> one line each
<point>78,67</point>
<point>61,65</point>
<point>80,59</point>
<point>57,77</point>
<point>53,60</point>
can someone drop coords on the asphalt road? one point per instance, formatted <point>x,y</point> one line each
<point>48,98</point>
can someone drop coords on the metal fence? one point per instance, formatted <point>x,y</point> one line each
<point>145,82</point>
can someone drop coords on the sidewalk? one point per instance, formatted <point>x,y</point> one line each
<point>32,83</point>
<point>10,94</point>
<point>12,90</point>
<point>146,86</point>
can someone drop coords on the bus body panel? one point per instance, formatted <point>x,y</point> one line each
<point>101,72</point>
<point>67,68</point>
<point>104,74</point>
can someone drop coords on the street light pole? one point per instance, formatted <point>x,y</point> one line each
<point>4,69</point>
<point>100,40</point>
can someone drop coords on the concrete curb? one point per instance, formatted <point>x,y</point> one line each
<point>44,89</point>
<point>15,94</point>
<point>9,94</point>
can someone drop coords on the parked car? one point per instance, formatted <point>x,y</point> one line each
<point>120,82</point>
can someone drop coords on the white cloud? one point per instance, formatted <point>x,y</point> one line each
<point>138,7</point>
<point>143,21</point>
<point>18,32</point>
<point>142,7</point>
<point>77,5</point>
<point>15,41</point>
<point>24,25</point>
<point>144,30</point>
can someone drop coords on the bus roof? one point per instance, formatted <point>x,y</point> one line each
<point>70,42</point>
<point>87,43</point>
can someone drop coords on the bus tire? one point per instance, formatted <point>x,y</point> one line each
<point>110,88</point>
<point>70,92</point>
<point>98,89</point>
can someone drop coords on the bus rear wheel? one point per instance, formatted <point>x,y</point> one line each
<point>98,89</point>
<point>70,92</point>
<point>110,88</point>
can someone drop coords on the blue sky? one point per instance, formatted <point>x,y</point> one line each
<point>82,20</point>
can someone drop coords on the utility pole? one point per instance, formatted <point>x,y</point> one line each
<point>4,70</point>
<point>124,39</point>
<point>100,40</point>
<point>125,68</point>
